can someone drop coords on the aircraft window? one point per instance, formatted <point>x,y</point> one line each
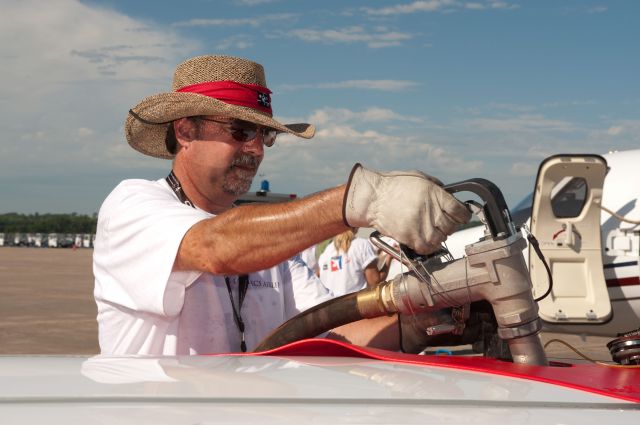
<point>570,199</point>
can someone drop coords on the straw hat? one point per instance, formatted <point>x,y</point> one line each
<point>206,85</point>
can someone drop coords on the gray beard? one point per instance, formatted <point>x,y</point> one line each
<point>238,186</point>
<point>240,182</point>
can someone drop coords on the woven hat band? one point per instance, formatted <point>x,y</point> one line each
<point>234,93</point>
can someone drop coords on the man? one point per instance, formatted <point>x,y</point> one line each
<point>179,270</point>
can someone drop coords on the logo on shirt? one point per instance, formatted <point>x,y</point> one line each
<point>336,263</point>
<point>264,284</point>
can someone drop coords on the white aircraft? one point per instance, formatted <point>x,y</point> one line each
<point>585,213</point>
<point>594,262</point>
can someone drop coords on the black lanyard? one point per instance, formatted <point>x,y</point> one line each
<point>243,280</point>
<point>175,185</point>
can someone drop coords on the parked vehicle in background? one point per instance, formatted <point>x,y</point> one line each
<point>65,240</point>
<point>264,195</point>
<point>52,240</point>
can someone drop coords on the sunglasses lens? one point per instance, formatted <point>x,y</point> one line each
<point>244,131</point>
<point>269,137</point>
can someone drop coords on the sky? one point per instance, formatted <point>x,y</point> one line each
<point>457,89</point>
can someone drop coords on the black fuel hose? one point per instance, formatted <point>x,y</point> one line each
<point>314,321</point>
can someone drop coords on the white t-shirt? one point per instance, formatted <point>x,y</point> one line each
<point>145,308</point>
<point>309,257</point>
<point>344,273</point>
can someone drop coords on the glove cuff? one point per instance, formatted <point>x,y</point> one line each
<point>348,200</point>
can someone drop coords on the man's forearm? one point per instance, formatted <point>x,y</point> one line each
<point>380,332</point>
<point>256,237</point>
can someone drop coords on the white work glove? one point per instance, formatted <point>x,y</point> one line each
<point>408,206</point>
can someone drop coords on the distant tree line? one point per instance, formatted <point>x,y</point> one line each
<point>47,223</point>
<point>68,223</point>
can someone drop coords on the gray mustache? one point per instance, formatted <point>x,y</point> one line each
<point>246,161</point>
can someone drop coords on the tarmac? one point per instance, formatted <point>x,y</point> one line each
<point>46,301</point>
<point>47,308</point>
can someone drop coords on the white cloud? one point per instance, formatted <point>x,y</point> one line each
<point>369,115</point>
<point>539,151</point>
<point>37,135</point>
<point>416,6</point>
<point>614,130</point>
<point>376,114</point>
<point>253,2</point>
<point>430,6</point>
<point>597,9</point>
<point>505,149</point>
<point>69,75</point>
<point>353,34</point>
<point>84,132</point>
<point>236,22</point>
<point>571,103</point>
<point>523,123</point>
<point>381,85</point>
<point>475,6</point>
<point>510,107</point>
<point>503,5</point>
<point>72,42</point>
<point>626,130</point>
<point>371,136</point>
<point>239,42</point>
<point>343,135</point>
<point>524,169</point>
<point>450,160</point>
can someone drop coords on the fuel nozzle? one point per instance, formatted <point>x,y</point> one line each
<point>493,270</point>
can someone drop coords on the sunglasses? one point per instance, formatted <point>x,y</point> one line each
<point>245,131</point>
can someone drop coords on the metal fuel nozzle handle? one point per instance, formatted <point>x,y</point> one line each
<point>495,211</point>
<point>495,208</point>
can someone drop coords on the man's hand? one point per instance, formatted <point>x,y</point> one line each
<point>411,207</point>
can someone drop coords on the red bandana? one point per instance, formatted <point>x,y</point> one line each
<point>249,95</point>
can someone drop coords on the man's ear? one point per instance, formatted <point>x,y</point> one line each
<point>186,131</point>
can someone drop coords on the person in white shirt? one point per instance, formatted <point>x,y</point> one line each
<point>179,270</point>
<point>348,264</point>
<point>309,257</point>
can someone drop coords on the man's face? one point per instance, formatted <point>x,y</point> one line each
<point>219,163</point>
<point>239,176</point>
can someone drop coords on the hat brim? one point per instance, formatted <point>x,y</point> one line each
<point>163,108</point>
